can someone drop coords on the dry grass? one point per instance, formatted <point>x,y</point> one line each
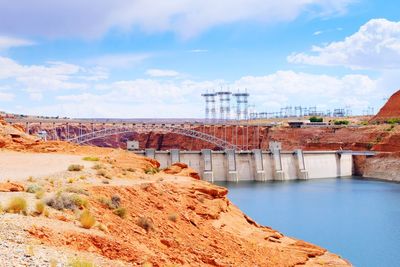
<point>121,212</point>
<point>87,220</point>
<point>145,223</point>
<point>104,174</point>
<point>91,158</point>
<point>63,200</point>
<point>33,188</point>
<point>39,194</point>
<point>17,205</point>
<point>75,167</point>
<point>80,263</point>
<point>173,217</point>
<point>39,207</point>
<point>103,228</point>
<point>98,167</point>
<point>31,179</point>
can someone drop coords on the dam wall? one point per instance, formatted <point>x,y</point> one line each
<point>258,165</point>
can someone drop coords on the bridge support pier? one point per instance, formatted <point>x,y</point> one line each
<point>302,172</point>
<point>231,165</point>
<point>150,153</point>
<point>208,174</point>
<point>275,148</point>
<point>259,165</point>
<point>175,157</point>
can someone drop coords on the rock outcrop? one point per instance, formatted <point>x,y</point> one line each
<point>391,109</point>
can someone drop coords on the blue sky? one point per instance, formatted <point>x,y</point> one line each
<point>154,58</point>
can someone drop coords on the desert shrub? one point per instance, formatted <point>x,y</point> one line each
<point>131,170</point>
<point>152,170</point>
<point>87,220</point>
<point>105,182</point>
<point>91,158</point>
<point>46,212</point>
<point>39,207</point>
<point>80,263</point>
<point>364,123</point>
<point>97,167</point>
<point>112,203</point>
<point>82,177</point>
<point>393,121</point>
<point>106,202</point>
<point>33,188</point>
<point>17,205</point>
<point>316,119</point>
<point>76,190</point>
<point>39,194</point>
<point>79,201</point>
<point>116,201</point>
<point>390,128</point>
<point>341,122</point>
<point>173,217</point>
<point>145,223</point>
<point>70,180</point>
<point>75,167</point>
<point>121,212</point>
<point>102,227</point>
<point>31,179</point>
<point>104,174</point>
<point>63,200</point>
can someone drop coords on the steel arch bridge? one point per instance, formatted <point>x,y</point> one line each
<point>87,137</point>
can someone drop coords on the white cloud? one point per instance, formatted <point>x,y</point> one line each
<point>7,97</point>
<point>181,98</point>
<point>375,46</point>
<point>162,73</point>
<point>186,17</point>
<point>296,88</point>
<point>8,42</point>
<point>119,60</point>
<point>53,76</point>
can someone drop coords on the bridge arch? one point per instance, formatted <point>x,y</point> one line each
<point>87,137</point>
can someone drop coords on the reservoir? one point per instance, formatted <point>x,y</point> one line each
<point>356,218</point>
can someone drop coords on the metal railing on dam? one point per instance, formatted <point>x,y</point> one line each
<point>258,165</point>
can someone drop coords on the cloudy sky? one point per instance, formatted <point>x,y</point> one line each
<point>147,58</point>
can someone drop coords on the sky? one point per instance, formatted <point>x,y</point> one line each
<point>147,58</point>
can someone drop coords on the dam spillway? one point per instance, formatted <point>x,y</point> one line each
<point>259,165</point>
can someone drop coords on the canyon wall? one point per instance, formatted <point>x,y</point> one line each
<point>372,137</point>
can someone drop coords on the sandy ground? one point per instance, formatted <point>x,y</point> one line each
<point>18,166</point>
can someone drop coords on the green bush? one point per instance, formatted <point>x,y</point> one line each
<point>393,121</point>
<point>316,119</point>
<point>341,122</point>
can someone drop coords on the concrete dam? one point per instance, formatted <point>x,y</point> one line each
<point>259,165</point>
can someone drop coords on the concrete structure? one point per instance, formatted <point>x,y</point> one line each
<point>260,165</point>
<point>132,145</point>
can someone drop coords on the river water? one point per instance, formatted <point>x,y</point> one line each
<point>356,218</point>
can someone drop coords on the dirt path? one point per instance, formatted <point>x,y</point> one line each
<point>19,166</point>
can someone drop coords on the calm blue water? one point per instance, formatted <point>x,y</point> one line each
<point>357,219</point>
